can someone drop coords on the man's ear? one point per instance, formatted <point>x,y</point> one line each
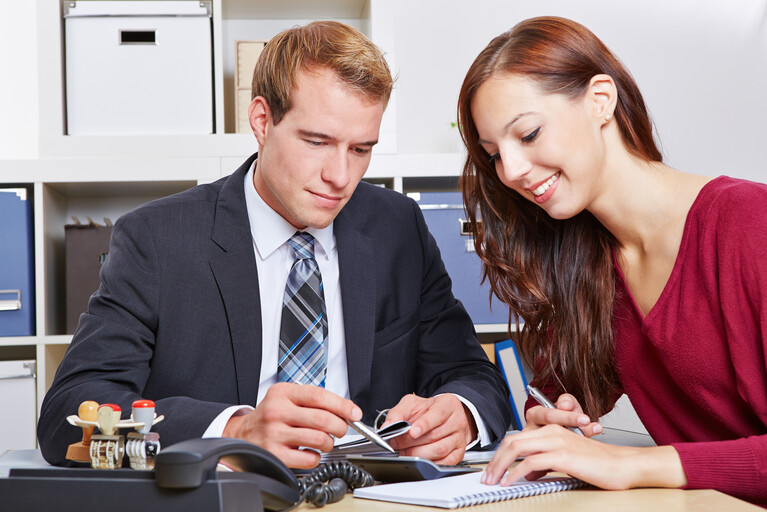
<point>602,96</point>
<point>260,117</point>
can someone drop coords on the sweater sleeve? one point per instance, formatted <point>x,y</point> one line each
<point>738,227</point>
<point>737,467</point>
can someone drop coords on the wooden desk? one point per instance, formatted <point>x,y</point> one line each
<point>590,500</point>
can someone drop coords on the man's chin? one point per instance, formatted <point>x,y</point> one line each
<point>318,222</point>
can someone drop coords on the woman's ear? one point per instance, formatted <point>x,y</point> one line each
<point>602,96</point>
<point>260,117</point>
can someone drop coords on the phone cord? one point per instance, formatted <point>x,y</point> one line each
<point>330,481</point>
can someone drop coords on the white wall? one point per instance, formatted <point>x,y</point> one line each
<point>701,65</point>
<point>18,79</point>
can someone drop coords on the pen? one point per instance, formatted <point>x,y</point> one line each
<point>541,399</point>
<point>370,435</point>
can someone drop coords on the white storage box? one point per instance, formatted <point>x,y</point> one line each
<point>18,403</point>
<point>138,67</point>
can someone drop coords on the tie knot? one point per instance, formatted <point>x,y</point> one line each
<point>303,245</point>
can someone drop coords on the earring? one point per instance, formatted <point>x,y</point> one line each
<point>608,117</point>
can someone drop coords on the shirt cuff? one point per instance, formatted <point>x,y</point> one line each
<point>216,428</point>
<point>483,437</point>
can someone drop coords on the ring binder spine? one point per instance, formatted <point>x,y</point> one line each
<point>508,493</point>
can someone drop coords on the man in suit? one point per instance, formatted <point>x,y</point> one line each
<point>191,311</point>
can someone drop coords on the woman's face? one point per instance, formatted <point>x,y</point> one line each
<point>547,147</point>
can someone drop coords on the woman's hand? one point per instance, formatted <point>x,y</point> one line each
<point>568,413</point>
<point>553,448</point>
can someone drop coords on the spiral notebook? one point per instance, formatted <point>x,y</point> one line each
<point>463,490</point>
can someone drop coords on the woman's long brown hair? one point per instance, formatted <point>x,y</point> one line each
<point>555,275</point>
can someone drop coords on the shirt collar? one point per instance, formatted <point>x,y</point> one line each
<point>279,230</point>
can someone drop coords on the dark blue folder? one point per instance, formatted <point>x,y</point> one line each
<point>17,289</point>
<point>443,212</point>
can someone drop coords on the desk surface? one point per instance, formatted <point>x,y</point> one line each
<point>592,500</point>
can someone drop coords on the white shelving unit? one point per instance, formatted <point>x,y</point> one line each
<point>106,176</point>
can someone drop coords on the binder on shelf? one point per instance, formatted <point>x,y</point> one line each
<point>87,246</point>
<point>17,398</point>
<point>444,213</point>
<point>17,276</point>
<point>508,361</point>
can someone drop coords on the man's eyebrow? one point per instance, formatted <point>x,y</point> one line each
<point>509,124</point>
<point>319,135</point>
<point>315,135</point>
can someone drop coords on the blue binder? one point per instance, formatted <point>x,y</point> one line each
<point>508,361</point>
<point>443,212</point>
<point>17,290</point>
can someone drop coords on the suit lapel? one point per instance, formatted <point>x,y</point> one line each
<point>356,265</point>
<point>234,267</point>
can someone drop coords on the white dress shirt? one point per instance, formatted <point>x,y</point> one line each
<point>274,258</point>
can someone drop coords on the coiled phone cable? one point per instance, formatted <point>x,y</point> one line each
<point>330,481</point>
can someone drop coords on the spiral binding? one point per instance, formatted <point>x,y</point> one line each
<point>330,481</point>
<point>531,489</point>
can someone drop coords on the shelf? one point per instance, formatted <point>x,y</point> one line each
<point>491,328</point>
<point>31,341</point>
<point>147,146</point>
<point>117,169</point>
<point>18,341</point>
<point>287,9</point>
<point>231,20</point>
<point>63,201</point>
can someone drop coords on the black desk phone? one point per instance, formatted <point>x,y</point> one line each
<point>185,479</point>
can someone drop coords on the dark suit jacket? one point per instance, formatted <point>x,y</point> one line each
<point>177,316</point>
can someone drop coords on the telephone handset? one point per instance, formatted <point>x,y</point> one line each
<point>191,463</point>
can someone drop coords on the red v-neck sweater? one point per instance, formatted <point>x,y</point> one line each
<point>695,368</point>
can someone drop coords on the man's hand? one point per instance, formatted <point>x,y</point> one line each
<point>440,428</point>
<point>293,415</point>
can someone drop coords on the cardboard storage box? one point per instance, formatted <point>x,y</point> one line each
<point>246,55</point>
<point>138,67</point>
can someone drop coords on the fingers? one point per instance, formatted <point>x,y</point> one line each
<point>406,410</point>
<point>293,458</point>
<point>568,402</point>
<point>553,448</point>
<point>506,454</point>
<point>592,429</point>
<point>316,397</point>
<point>292,416</point>
<point>532,467</point>
<point>545,440</point>
<point>447,450</point>
<point>539,416</point>
<point>441,427</point>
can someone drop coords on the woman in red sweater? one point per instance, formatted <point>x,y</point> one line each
<point>630,276</point>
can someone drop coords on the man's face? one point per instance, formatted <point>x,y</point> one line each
<point>310,162</point>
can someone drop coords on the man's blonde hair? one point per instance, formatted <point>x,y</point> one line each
<point>324,44</point>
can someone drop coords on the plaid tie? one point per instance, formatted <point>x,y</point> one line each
<point>304,328</point>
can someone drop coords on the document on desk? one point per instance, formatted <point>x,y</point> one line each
<point>463,490</point>
<point>357,444</point>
